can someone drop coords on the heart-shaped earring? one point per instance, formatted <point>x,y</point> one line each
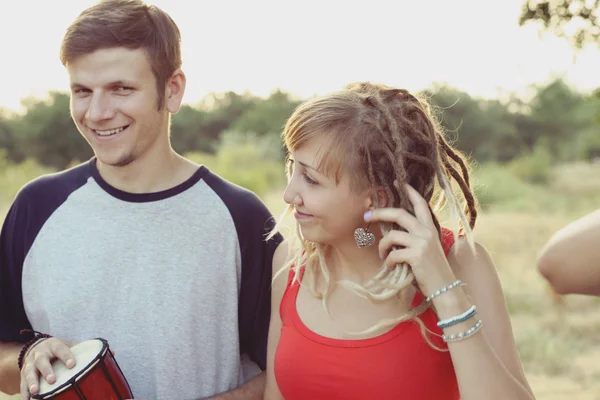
<point>363,237</point>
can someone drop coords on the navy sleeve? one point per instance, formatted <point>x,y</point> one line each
<point>12,255</point>
<point>255,294</point>
<point>253,222</point>
<point>32,207</point>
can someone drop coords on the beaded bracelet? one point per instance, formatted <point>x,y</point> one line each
<point>446,323</point>
<point>457,337</point>
<point>38,337</point>
<point>435,294</point>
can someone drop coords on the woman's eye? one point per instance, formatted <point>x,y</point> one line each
<point>309,180</point>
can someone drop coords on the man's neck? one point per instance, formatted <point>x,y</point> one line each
<point>149,174</point>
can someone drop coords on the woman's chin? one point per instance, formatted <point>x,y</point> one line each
<point>309,234</point>
<point>314,236</point>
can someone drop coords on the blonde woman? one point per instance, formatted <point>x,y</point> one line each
<point>376,300</point>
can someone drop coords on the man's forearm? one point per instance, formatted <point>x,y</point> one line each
<point>10,377</point>
<point>251,390</point>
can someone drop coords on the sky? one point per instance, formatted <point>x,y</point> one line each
<point>314,46</point>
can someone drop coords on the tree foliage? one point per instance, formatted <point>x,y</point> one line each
<point>575,20</point>
<point>562,121</point>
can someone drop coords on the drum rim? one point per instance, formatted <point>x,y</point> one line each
<point>78,375</point>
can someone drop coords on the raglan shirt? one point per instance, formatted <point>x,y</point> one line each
<point>177,282</point>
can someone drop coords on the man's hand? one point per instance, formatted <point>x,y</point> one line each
<point>38,361</point>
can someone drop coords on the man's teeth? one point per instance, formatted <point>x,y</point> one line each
<point>111,132</point>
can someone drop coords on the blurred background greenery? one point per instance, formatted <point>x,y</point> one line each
<point>536,166</point>
<point>515,145</point>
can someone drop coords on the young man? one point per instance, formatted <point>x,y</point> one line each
<point>163,259</point>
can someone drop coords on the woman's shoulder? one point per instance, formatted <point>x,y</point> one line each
<point>473,264</point>
<point>283,271</point>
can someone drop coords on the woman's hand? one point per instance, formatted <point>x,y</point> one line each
<point>422,248</point>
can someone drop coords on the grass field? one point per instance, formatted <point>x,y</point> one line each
<point>557,338</point>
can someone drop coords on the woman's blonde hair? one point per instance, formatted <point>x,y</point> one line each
<point>382,138</point>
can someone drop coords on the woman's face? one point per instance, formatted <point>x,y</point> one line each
<point>328,212</point>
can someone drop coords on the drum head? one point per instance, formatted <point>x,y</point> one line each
<point>85,353</point>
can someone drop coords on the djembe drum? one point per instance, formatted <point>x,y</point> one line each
<point>96,375</point>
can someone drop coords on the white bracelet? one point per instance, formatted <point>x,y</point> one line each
<point>457,337</point>
<point>443,290</point>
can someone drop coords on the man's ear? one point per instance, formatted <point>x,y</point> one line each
<point>174,91</point>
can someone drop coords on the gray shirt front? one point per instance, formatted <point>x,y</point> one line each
<point>177,282</point>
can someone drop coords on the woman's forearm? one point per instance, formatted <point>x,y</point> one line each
<point>479,371</point>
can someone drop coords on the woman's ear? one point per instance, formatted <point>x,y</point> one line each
<point>384,202</point>
<point>382,199</point>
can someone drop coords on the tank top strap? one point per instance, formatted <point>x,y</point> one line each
<point>447,240</point>
<point>288,299</point>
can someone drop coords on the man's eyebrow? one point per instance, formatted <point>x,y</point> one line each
<point>119,82</point>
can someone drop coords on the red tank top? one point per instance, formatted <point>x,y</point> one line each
<point>398,364</point>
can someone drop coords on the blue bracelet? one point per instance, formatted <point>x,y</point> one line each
<point>458,319</point>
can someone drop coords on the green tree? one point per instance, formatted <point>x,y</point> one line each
<point>554,112</point>
<point>483,129</point>
<point>187,133</point>
<point>8,142</point>
<point>587,144</point>
<point>575,20</point>
<point>267,116</point>
<point>246,159</point>
<point>198,128</point>
<point>222,110</point>
<point>47,133</point>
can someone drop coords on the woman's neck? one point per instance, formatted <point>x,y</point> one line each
<point>349,262</point>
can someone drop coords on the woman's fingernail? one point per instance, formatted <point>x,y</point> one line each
<point>49,377</point>
<point>70,363</point>
<point>368,215</point>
